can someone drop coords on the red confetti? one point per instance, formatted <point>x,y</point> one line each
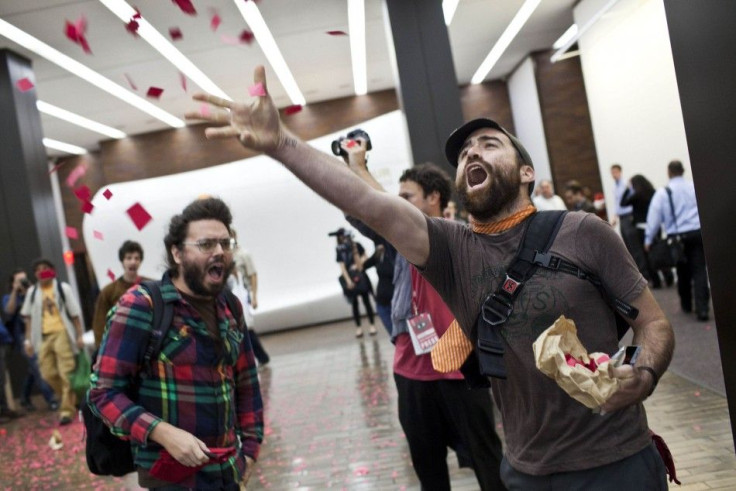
<point>186,6</point>
<point>292,109</point>
<point>139,216</point>
<point>350,143</point>
<point>697,393</point>
<point>246,36</point>
<point>87,207</point>
<point>215,21</point>
<point>107,194</point>
<point>183,81</point>
<point>98,235</point>
<point>75,33</point>
<point>111,275</point>
<point>132,26</point>
<point>257,90</point>
<point>175,33</point>
<point>72,233</point>
<point>74,175</point>
<point>337,33</point>
<point>154,92</point>
<point>57,166</point>
<point>83,193</point>
<point>24,84</point>
<point>130,82</point>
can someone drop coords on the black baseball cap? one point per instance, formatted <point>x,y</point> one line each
<point>457,139</point>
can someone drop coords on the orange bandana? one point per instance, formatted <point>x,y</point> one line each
<point>506,223</point>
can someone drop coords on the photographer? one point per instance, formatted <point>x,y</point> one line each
<point>12,303</point>
<point>354,281</point>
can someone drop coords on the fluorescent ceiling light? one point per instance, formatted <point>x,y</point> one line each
<point>571,32</point>
<point>448,8</point>
<point>356,20</point>
<point>70,117</point>
<point>263,35</point>
<point>63,147</point>
<point>82,71</point>
<point>145,30</point>
<point>504,41</point>
<point>557,56</point>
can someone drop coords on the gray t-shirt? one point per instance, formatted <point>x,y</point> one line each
<point>546,430</point>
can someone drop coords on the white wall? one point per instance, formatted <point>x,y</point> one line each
<point>527,115</point>
<point>632,91</point>
<point>279,220</point>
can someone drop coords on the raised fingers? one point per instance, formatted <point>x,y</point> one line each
<point>214,100</point>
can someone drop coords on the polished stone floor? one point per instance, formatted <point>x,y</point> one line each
<point>331,423</point>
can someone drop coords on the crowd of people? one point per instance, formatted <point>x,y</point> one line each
<point>187,393</point>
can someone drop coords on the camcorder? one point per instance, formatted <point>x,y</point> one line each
<point>352,136</point>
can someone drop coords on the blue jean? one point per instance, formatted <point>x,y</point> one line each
<point>384,312</point>
<point>34,377</point>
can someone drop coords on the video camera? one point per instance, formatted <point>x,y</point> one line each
<point>356,133</point>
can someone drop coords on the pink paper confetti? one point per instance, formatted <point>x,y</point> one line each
<point>183,81</point>
<point>696,427</point>
<point>72,233</point>
<point>83,193</point>
<point>110,275</point>
<point>350,143</point>
<point>204,110</point>
<point>186,6</point>
<point>139,216</point>
<point>337,33</point>
<point>215,21</point>
<point>154,92</point>
<point>24,84</point>
<point>257,90</point>
<point>175,33</point>
<point>293,109</point>
<point>87,207</point>
<point>98,235</point>
<point>107,194</point>
<point>130,81</point>
<point>75,174</point>
<point>246,36</point>
<point>361,471</point>
<point>697,393</point>
<point>75,33</point>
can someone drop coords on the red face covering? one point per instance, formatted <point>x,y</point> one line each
<point>47,274</point>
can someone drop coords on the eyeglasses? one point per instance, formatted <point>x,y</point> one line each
<point>207,246</point>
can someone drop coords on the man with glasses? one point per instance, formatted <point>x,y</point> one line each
<point>198,409</point>
<point>552,441</point>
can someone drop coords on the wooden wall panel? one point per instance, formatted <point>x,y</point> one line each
<point>567,125</point>
<point>488,100</point>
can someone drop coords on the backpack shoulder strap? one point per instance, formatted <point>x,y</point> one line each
<point>163,314</point>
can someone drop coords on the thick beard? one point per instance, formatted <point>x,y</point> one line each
<point>484,206</point>
<point>193,277</point>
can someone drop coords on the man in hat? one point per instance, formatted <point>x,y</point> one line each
<point>551,439</point>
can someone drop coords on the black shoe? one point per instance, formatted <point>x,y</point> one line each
<point>703,316</point>
<point>687,310</point>
<point>28,406</point>
<point>65,420</point>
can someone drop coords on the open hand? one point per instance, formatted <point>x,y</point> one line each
<point>256,124</point>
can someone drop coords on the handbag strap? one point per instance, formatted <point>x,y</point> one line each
<point>672,208</point>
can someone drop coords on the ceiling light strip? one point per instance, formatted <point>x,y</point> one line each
<point>504,41</point>
<point>265,39</point>
<point>356,21</point>
<point>78,120</point>
<point>557,56</point>
<point>448,9</point>
<point>145,30</point>
<point>63,147</point>
<point>82,71</point>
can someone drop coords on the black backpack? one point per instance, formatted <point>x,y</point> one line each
<point>108,455</point>
<point>487,359</point>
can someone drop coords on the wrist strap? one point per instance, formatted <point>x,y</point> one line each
<point>655,378</point>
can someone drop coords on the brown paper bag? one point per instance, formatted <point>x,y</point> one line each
<point>591,388</point>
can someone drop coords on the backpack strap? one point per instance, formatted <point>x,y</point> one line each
<point>62,297</point>
<point>538,237</point>
<point>163,314</point>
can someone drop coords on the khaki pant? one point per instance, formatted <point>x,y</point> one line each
<point>55,361</point>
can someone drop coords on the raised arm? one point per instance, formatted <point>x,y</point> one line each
<point>258,127</point>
